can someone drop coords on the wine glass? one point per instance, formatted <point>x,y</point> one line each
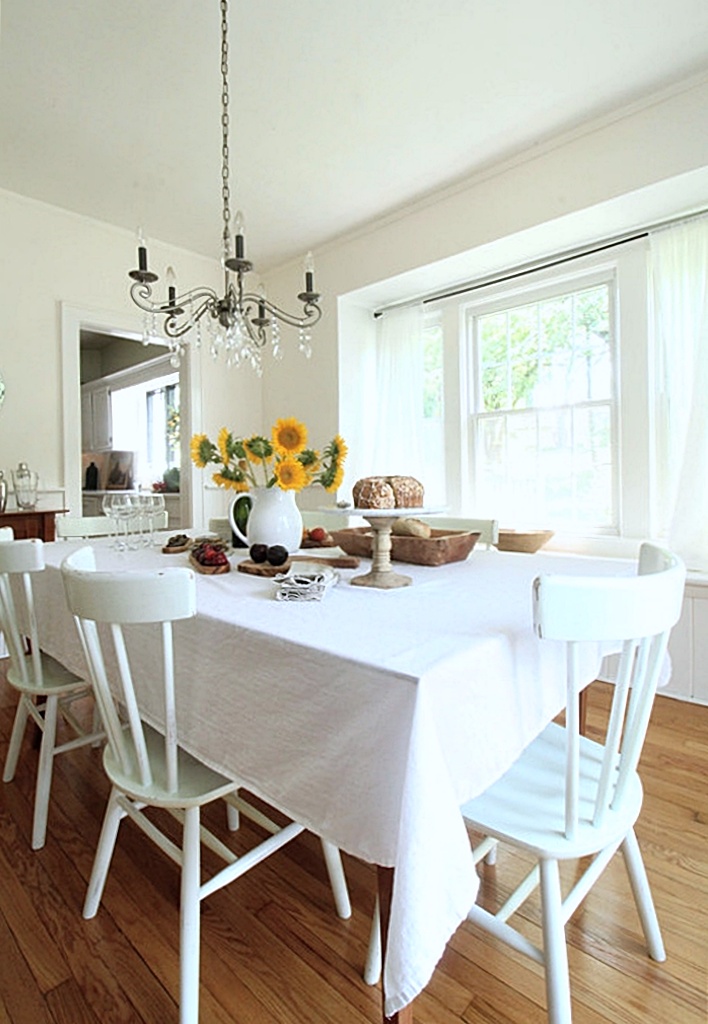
<point>107,509</point>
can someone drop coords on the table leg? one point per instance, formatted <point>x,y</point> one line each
<point>385,883</point>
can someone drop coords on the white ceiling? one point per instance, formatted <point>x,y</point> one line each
<point>341,110</point>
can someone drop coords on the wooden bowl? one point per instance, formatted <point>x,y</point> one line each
<point>441,547</point>
<point>528,541</point>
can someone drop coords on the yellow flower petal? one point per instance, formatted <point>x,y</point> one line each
<point>289,436</point>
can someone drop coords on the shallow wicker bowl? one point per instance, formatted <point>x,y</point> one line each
<point>441,547</point>
<point>520,540</point>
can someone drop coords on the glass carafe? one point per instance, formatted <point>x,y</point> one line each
<point>25,481</point>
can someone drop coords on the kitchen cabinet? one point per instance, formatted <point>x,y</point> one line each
<point>96,421</point>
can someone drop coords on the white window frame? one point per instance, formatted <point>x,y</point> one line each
<point>634,464</point>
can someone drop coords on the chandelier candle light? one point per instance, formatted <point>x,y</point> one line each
<point>240,322</point>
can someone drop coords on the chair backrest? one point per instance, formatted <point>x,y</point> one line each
<point>18,621</point>
<point>118,599</point>
<point>329,520</point>
<point>6,533</point>
<point>638,611</point>
<point>488,529</point>
<point>85,527</point>
<point>80,527</point>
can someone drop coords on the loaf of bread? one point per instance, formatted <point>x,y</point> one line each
<point>411,528</point>
<point>388,492</point>
<point>373,492</point>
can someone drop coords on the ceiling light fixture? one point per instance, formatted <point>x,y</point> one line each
<point>240,323</point>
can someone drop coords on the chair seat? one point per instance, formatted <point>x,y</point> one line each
<point>57,679</point>
<point>527,805</point>
<point>198,784</point>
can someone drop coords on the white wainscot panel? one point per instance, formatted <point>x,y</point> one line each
<point>689,647</point>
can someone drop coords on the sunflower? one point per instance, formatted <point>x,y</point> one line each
<point>225,481</point>
<point>336,479</point>
<point>289,436</point>
<point>201,450</point>
<point>257,448</point>
<point>291,475</point>
<point>223,443</point>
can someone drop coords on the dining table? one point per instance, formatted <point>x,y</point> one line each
<point>369,716</point>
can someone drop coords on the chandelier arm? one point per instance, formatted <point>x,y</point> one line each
<point>311,311</point>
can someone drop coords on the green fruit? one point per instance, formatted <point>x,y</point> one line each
<point>277,554</point>
<point>258,552</point>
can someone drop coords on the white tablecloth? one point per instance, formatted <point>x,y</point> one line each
<point>369,716</point>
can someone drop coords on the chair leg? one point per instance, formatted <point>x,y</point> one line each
<point>372,967</point>
<point>642,896</point>
<point>189,919</point>
<point>18,732</point>
<point>44,773</point>
<point>104,851</point>
<point>554,945</point>
<point>337,880</point>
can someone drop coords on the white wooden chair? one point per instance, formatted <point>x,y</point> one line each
<point>568,797</point>
<point>6,533</point>
<point>329,520</point>
<point>84,527</point>
<point>488,529</point>
<point>46,688</point>
<point>147,769</point>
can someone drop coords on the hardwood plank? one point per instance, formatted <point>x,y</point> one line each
<point>273,951</point>
<point>68,1006</point>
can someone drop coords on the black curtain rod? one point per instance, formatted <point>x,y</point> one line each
<point>531,268</point>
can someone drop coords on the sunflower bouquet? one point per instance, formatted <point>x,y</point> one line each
<point>282,460</point>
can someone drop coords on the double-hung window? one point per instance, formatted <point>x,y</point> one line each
<point>542,401</point>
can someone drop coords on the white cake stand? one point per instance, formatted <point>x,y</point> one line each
<point>381,574</point>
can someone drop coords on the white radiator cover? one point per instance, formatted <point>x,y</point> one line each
<point>689,646</point>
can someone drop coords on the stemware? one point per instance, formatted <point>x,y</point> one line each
<point>151,505</point>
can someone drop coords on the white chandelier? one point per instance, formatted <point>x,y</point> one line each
<point>239,323</point>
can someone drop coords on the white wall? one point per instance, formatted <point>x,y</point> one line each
<point>642,164</point>
<point>649,160</point>
<point>58,267</point>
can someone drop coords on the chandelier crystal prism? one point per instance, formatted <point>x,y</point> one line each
<point>239,323</point>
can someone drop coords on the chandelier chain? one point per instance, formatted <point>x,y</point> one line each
<point>225,173</point>
<point>240,322</point>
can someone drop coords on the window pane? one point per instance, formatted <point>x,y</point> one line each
<point>543,438</point>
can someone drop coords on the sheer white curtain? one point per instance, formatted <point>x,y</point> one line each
<point>398,438</point>
<point>679,267</point>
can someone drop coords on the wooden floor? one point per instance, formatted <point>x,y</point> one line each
<point>273,951</point>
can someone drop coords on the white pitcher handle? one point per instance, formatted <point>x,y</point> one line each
<point>232,515</point>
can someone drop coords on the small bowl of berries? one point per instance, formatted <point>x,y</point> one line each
<point>209,556</point>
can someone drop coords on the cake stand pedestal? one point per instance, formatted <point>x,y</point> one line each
<point>381,575</point>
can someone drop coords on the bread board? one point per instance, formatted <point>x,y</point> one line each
<point>209,570</point>
<point>264,569</point>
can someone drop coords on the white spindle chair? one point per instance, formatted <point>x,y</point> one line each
<point>147,769</point>
<point>46,688</point>
<point>84,527</point>
<point>568,797</point>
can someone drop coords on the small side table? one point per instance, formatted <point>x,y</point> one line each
<point>34,522</point>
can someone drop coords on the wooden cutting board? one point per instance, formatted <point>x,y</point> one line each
<point>263,569</point>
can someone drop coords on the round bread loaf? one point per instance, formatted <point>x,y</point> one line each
<point>373,492</point>
<point>388,492</point>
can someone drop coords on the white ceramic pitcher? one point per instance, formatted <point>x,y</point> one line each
<point>274,518</point>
